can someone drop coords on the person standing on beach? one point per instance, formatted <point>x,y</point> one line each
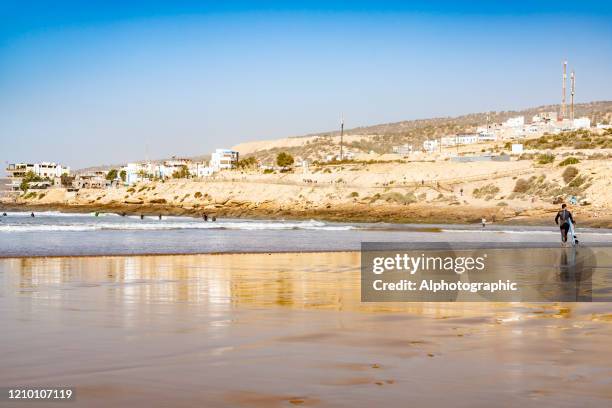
<point>484,222</point>
<point>563,219</point>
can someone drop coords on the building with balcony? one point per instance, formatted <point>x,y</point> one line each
<point>47,171</point>
<point>224,159</point>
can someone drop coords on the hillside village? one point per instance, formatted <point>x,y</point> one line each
<point>311,150</point>
<point>514,171</point>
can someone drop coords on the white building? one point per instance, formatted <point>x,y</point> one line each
<point>201,170</point>
<point>544,117</point>
<point>517,148</point>
<point>467,138</point>
<point>135,172</point>
<point>223,159</point>
<point>448,141</point>
<point>404,149</point>
<point>46,170</point>
<point>487,137</point>
<point>582,123</point>
<point>169,167</point>
<point>516,122</point>
<point>430,146</point>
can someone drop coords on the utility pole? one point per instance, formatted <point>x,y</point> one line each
<point>341,136</point>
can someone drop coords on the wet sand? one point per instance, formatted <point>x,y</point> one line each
<point>282,330</point>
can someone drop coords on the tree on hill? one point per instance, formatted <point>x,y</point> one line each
<point>123,175</point>
<point>249,162</point>
<point>183,172</point>
<point>111,175</point>
<point>29,177</point>
<point>284,159</point>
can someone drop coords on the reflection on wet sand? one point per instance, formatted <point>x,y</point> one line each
<point>284,330</point>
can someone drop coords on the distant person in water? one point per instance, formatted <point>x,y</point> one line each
<point>214,218</point>
<point>32,215</point>
<point>4,214</point>
<point>484,222</point>
<point>563,219</point>
<point>160,217</point>
<point>141,216</point>
<point>205,217</point>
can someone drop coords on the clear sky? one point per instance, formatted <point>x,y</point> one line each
<point>93,82</point>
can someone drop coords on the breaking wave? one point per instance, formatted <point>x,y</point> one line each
<point>171,224</point>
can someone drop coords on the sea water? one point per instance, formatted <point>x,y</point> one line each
<point>66,234</point>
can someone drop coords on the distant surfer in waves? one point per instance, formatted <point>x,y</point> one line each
<point>563,220</point>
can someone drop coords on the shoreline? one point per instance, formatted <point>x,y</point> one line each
<point>177,254</point>
<point>392,214</point>
<point>489,245</point>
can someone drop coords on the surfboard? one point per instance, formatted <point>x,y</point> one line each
<point>572,233</point>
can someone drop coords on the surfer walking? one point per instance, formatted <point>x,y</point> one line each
<point>563,220</point>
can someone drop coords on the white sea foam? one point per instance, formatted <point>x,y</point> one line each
<point>523,232</point>
<point>164,224</point>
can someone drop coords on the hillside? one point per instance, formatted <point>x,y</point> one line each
<point>381,138</point>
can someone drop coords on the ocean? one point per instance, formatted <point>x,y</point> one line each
<point>70,234</point>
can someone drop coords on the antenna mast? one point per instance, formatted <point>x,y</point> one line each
<point>572,92</point>
<point>563,108</point>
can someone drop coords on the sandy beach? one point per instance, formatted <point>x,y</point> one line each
<point>281,330</point>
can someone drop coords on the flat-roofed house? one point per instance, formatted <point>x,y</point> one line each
<point>224,159</point>
<point>45,170</point>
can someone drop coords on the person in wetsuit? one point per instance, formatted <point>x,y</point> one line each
<point>562,220</point>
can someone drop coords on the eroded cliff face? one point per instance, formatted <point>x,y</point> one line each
<point>391,192</point>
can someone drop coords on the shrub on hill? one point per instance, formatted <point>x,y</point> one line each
<point>487,191</point>
<point>545,158</point>
<point>568,161</point>
<point>521,186</point>
<point>569,174</point>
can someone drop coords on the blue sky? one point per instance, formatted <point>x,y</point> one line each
<point>88,83</point>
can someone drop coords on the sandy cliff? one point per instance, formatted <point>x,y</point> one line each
<point>393,192</point>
